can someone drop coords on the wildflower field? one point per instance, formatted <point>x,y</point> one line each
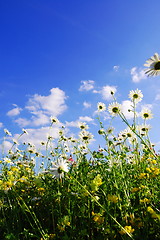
<point>78,193</point>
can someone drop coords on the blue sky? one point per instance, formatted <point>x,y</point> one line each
<point>60,57</point>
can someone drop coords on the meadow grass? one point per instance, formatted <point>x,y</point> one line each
<point>76,193</point>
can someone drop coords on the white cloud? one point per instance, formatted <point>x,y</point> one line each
<point>14,112</point>
<point>53,104</point>
<point>157,97</point>
<point>37,135</point>
<point>127,105</point>
<point>22,122</point>
<point>116,68</point>
<point>1,124</point>
<point>106,92</point>
<point>40,119</point>
<point>149,106</point>
<point>5,146</point>
<point>86,85</point>
<point>86,104</point>
<point>86,119</point>
<point>137,74</point>
<point>72,124</point>
<point>80,119</point>
<point>42,108</point>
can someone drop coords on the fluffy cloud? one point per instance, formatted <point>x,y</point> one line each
<point>14,112</point>
<point>106,92</point>
<point>37,135</point>
<point>5,146</point>
<point>86,119</point>
<point>86,85</point>
<point>86,104</point>
<point>1,124</point>
<point>22,122</point>
<point>127,105</point>
<point>42,108</point>
<point>116,68</point>
<point>80,119</point>
<point>137,74</point>
<point>53,104</point>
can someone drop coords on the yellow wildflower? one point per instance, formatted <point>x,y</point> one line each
<point>129,229</point>
<point>41,189</point>
<point>133,190</point>
<point>156,171</point>
<point>98,218</point>
<point>14,169</point>
<point>23,179</point>
<point>150,210</point>
<point>142,175</point>
<point>61,228</point>
<point>97,181</point>
<point>52,236</point>
<point>145,200</point>
<point>112,198</point>
<point>153,213</point>
<point>154,161</point>
<point>148,169</point>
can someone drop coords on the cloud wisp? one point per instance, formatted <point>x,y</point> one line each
<point>41,108</point>
<point>106,92</point>
<point>137,74</point>
<point>86,85</point>
<point>15,111</point>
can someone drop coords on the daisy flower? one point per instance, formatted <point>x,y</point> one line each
<point>82,125</point>
<point>146,114</point>
<point>114,108</point>
<point>136,95</point>
<point>101,106</point>
<point>129,133</point>
<point>110,130</point>
<point>85,136</point>
<point>153,65</point>
<point>143,129</point>
<point>24,131</point>
<point>54,120</point>
<point>59,168</point>
<point>7,132</point>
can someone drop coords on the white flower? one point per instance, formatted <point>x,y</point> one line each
<point>85,136</point>
<point>59,168</point>
<point>129,133</point>
<point>15,141</point>
<point>114,108</point>
<point>7,160</point>
<point>143,129</point>
<point>54,120</point>
<point>101,106</point>
<point>25,131</point>
<point>110,130</point>
<point>153,65</point>
<point>146,113</point>
<point>82,125</point>
<point>136,95</point>
<point>7,132</point>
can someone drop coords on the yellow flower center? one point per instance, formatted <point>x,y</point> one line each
<point>115,110</point>
<point>135,95</point>
<point>157,66</point>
